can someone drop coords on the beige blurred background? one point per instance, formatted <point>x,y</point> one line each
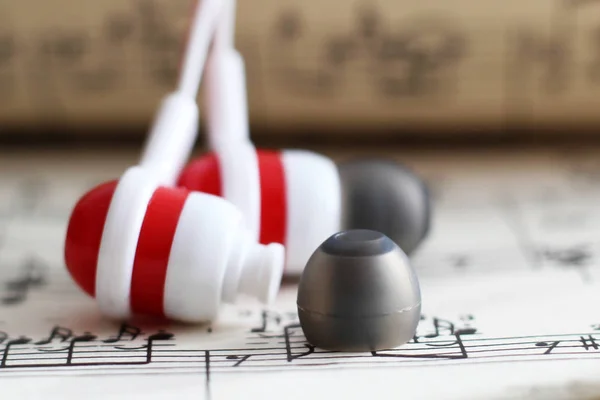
<point>320,70</point>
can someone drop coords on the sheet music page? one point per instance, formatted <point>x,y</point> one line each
<point>510,279</point>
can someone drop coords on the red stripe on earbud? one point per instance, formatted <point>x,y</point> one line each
<point>273,201</point>
<point>153,249</point>
<point>202,175</point>
<point>84,234</point>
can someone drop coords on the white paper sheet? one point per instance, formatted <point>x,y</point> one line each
<point>509,276</point>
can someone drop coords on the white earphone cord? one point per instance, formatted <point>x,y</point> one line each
<point>210,16</point>
<point>175,128</point>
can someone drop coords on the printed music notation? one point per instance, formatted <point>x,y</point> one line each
<point>277,343</point>
<point>32,275</point>
<point>486,302</point>
<point>415,57</point>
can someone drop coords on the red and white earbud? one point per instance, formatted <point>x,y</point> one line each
<point>297,198</point>
<point>140,246</point>
<point>298,195</point>
<point>290,197</point>
<point>227,109</point>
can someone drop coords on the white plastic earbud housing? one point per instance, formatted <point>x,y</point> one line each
<point>140,245</point>
<point>171,138</point>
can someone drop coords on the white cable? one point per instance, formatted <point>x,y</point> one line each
<point>203,26</point>
<point>225,34</point>
<point>175,127</point>
<point>225,88</point>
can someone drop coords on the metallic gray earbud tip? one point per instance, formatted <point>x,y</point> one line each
<point>387,197</point>
<point>358,292</point>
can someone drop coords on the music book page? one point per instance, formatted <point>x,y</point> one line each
<point>510,280</point>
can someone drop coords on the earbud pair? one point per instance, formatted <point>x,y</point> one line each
<point>139,244</point>
<point>177,241</point>
<point>300,198</point>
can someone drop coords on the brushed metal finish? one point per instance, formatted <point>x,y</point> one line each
<point>358,292</point>
<point>385,196</point>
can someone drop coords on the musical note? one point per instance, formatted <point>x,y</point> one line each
<point>270,323</point>
<point>86,337</point>
<point>57,333</point>
<point>33,276</point>
<point>311,350</point>
<point>576,256</point>
<point>289,331</point>
<point>125,331</point>
<point>68,356</point>
<point>412,61</point>
<point>265,317</point>
<point>160,336</point>
<point>467,329</point>
<point>443,327</point>
<point>440,327</point>
<point>424,353</point>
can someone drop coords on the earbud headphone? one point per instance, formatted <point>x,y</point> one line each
<point>140,245</point>
<point>295,197</point>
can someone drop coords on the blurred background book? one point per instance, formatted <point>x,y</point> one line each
<point>321,69</point>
